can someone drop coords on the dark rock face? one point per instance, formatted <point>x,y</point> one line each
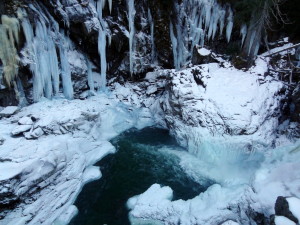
<point>282,209</point>
<point>8,97</point>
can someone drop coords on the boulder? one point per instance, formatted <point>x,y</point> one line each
<point>21,129</point>
<point>25,121</point>
<point>9,111</point>
<point>282,208</point>
<point>36,133</point>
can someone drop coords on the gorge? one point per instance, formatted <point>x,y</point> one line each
<point>194,102</point>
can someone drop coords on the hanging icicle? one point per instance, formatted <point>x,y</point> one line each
<point>198,20</point>
<point>130,17</point>
<point>102,42</point>
<point>151,22</point>
<point>243,33</point>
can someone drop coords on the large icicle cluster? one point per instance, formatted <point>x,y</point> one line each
<point>42,44</point>
<point>197,20</point>
<point>9,38</point>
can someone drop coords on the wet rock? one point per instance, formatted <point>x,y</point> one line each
<point>201,56</point>
<point>282,209</point>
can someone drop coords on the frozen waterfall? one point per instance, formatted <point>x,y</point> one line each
<point>41,55</point>
<point>102,41</point>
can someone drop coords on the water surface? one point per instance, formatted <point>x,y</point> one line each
<point>137,165</point>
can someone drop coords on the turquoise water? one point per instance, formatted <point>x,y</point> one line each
<point>137,165</point>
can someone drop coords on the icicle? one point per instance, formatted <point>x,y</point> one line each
<point>174,47</point>
<point>152,36</point>
<point>102,52</point>
<point>222,20</point>
<point>251,41</point>
<point>102,43</point>
<point>131,15</point>
<point>90,75</point>
<point>243,33</point>
<point>110,5</point>
<point>65,72</point>
<point>207,10</point>
<point>229,25</point>
<point>216,16</point>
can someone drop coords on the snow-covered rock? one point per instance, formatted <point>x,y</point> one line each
<point>217,105</point>
<point>36,133</point>
<point>21,129</point>
<point>25,121</point>
<point>214,206</point>
<point>9,110</point>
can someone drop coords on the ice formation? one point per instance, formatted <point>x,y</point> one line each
<point>42,56</point>
<point>243,33</point>
<point>151,22</point>
<point>9,38</point>
<point>102,41</point>
<point>197,20</point>
<point>130,17</point>
<point>90,76</point>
